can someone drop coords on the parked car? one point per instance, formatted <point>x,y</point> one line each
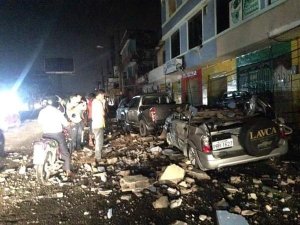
<point>233,99</point>
<point>241,100</point>
<point>122,110</point>
<point>148,112</point>
<point>215,138</point>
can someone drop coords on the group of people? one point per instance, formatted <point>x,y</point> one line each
<point>75,113</point>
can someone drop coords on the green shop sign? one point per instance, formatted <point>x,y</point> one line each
<point>271,52</point>
<point>250,7</point>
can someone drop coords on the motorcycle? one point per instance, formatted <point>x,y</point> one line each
<point>47,157</point>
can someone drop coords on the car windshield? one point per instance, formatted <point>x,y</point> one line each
<point>123,102</point>
<point>152,100</point>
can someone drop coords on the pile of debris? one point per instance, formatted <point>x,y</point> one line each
<point>135,170</point>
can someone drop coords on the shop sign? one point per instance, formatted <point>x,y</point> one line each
<point>250,7</point>
<point>172,65</point>
<point>190,74</point>
<point>235,12</point>
<point>113,80</point>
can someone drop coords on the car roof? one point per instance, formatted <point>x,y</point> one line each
<point>152,94</point>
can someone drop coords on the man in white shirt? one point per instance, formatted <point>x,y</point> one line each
<point>98,122</point>
<point>74,110</point>
<point>52,122</point>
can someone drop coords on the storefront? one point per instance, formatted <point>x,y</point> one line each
<point>192,87</point>
<point>217,79</point>
<point>165,78</point>
<point>273,73</point>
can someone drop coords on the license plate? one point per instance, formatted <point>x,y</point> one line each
<point>38,154</point>
<point>226,143</point>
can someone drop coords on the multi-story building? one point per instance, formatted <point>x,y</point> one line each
<point>226,45</point>
<point>137,59</point>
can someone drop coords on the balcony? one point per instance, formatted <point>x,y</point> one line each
<point>256,31</point>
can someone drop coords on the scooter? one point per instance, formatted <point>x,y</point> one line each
<point>47,157</point>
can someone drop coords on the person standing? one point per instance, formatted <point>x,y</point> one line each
<point>74,110</point>
<point>98,122</point>
<point>52,122</point>
<point>90,99</point>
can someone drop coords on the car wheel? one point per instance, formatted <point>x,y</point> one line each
<point>259,136</point>
<point>125,127</point>
<point>43,171</point>
<point>143,128</point>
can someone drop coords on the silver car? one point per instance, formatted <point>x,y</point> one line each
<point>216,138</point>
<point>122,110</point>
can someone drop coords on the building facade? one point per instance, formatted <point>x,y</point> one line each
<point>137,59</point>
<point>213,46</point>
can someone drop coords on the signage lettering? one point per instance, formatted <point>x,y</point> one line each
<point>263,133</point>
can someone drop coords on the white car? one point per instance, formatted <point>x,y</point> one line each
<point>122,110</point>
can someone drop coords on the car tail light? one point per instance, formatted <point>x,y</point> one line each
<point>206,147</point>
<point>152,114</point>
<point>284,131</point>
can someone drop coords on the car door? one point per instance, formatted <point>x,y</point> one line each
<point>179,133</point>
<point>132,113</point>
<point>120,113</point>
<point>182,133</point>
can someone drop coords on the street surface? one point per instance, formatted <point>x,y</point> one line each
<point>142,181</point>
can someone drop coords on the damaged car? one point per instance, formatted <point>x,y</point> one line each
<point>213,138</point>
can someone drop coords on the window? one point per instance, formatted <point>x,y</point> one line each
<point>195,30</point>
<point>223,14</point>
<point>171,7</point>
<point>123,102</point>
<point>270,2</point>
<point>175,45</point>
<point>134,103</point>
<point>151,100</point>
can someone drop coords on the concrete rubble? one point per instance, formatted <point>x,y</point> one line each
<point>173,173</point>
<point>136,168</point>
<point>134,183</point>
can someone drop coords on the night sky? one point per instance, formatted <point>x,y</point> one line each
<point>33,30</point>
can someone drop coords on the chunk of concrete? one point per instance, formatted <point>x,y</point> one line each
<point>162,202</point>
<point>134,183</point>
<point>198,174</point>
<point>178,222</point>
<point>226,218</point>
<point>173,173</point>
